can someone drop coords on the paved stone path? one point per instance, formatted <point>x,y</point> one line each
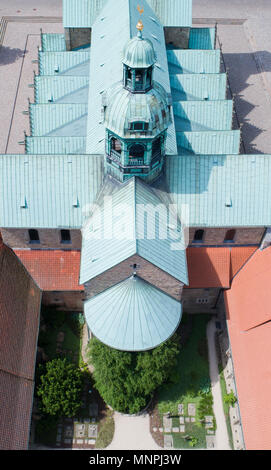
<point>222,440</point>
<point>133,433</point>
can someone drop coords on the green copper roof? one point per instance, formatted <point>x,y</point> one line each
<point>202,38</point>
<point>222,190</point>
<point>83,13</point>
<point>53,42</point>
<point>55,145</point>
<point>139,53</point>
<point>48,191</point>
<point>125,107</point>
<point>64,63</point>
<point>106,67</point>
<point>203,115</point>
<point>193,61</point>
<point>58,119</point>
<point>118,229</point>
<point>133,316</point>
<point>209,142</point>
<point>173,12</point>
<point>198,86</point>
<point>61,89</point>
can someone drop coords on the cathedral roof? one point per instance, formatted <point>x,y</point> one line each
<point>145,315</point>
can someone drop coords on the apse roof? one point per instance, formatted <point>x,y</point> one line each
<point>145,316</point>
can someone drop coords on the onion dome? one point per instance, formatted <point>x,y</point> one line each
<point>125,108</point>
<point>139,53</point>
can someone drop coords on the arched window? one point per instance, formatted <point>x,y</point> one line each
<point>136,151</point>
<point>33,236</point>
<point>198,236</point>
<point>230,235</point>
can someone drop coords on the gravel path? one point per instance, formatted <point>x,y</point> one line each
<point>222,440</point>
<point>133,433</point>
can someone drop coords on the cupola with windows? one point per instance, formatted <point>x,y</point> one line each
<point>137,116</point>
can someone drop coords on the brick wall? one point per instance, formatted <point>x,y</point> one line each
<point>215,236</point>
<point>146,271</point>
<point>200,300</point>
<point>49,238</point>
<point>64,300</point>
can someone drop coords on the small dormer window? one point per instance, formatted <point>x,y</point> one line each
<point>139,126</point>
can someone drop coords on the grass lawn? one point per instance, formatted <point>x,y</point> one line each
<point>191,379</point>
<point>61,322</point>
<point>106,430</point>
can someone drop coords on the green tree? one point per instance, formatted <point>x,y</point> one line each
<point>60,388</point>
<point>126,380</point>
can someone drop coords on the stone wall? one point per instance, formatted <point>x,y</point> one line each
<point>215,236</point>
<point>64,300</point>
<point>49,239</point>
<point>77,37</point>
<point>200,300</point>
<point>177,37</point>
<point>124,270</point>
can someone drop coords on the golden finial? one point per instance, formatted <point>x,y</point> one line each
<point>139,25</point>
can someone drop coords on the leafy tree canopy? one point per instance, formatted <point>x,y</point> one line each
<point>126,380</point>
<point>60,388</point>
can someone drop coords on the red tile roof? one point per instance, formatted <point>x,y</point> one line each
<point>53,270</point>
<point>20,300</point>
<point>248,305</point>
<point>208,267</point>
<point>215,266</point>
<point>239,256</point>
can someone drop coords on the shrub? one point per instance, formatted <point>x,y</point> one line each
<point>127,380</point>
<point>230,398</point>
<point>60,388</point>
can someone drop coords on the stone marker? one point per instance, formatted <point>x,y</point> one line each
<point>92,430</point>
<point>192,420</point>
<point>182,428</point>
<point>167,422</point>
<point>181,419</point>
<point>191,409</point>
<point>168,441</point>
<point>180,409</point>
<point>154,429</point>
<point>187,420</point>
<point>91,441</point>
<point>176,429</point>
<point>80,430</point>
